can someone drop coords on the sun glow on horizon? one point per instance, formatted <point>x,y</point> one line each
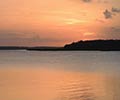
<point>73,21</point>
<point>53,22</point>
<point>88,33</point>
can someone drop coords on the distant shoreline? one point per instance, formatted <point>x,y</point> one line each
<point>66,50</point>
<point>88,45</point>
<point>32,49</point>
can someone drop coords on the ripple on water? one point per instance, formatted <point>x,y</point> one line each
<point>78,89</point>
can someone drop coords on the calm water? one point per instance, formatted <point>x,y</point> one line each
<point>60,75</point>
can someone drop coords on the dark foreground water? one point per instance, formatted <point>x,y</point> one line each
<point>60,75</point>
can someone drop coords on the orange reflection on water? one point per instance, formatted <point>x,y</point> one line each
<point>48,84</point>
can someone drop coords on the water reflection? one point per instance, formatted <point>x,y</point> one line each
<point>79,93</point>
<point>82,86</point>
<point>48,84</point>
<point>113,87</point>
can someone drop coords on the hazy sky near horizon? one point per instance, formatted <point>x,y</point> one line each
<point>57,22</point>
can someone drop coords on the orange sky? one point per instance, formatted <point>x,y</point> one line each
<point>55,23</point>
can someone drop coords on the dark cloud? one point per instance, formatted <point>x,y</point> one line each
<point>87,0</point>
<point>107,14</point>
<point>84,1</point>
<point>115,10</point>
<point>110,13</point>
<point>99,1</point>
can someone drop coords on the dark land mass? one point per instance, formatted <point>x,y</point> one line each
<point>98,45</point>
<point>88,45</point>
<point>46,48</point>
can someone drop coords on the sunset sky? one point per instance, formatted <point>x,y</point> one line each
<point>57,22</point>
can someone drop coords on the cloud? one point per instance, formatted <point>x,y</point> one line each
<point>99,1</point>
<point>107,14</point>
<point>115,10</point>
<point>99,20</point>
<point>83,1</point>
<point>115,29</point>
<point>110,13</point>
<point>87,0</point>
<point>26,39</point>
<point>102,1</point>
